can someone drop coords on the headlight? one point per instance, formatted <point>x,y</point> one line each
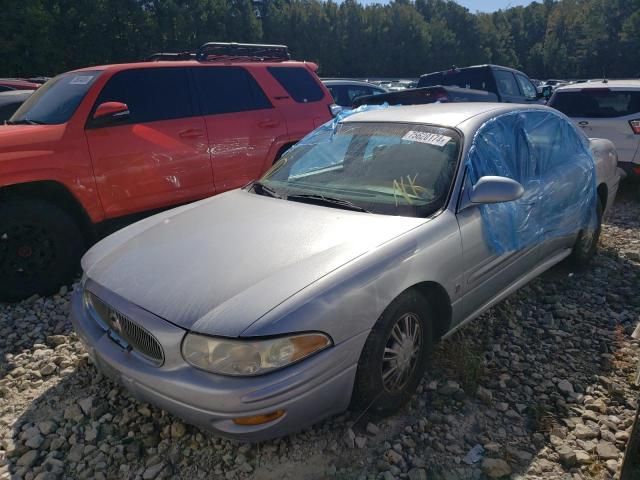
<point>250,357</point>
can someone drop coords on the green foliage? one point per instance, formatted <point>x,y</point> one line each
<point>564,38</point>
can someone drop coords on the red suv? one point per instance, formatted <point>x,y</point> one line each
<point>108,142</point>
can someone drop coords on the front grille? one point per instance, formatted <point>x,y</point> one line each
<point>121,327</point>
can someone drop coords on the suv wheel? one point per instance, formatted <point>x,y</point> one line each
<point>394,356</point>
<point>40,248</point>
<point>587,242</point>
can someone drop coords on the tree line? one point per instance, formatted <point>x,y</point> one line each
<point>564,38</point>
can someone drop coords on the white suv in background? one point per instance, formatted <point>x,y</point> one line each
<point>606,109</point>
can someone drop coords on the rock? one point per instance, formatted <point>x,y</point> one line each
<point>449,388</point>
<point>178,430</point>
<point>47,427</point>
<point>582,457</point>
<point>153,471</point>
<point>584,433</point>
<point>86,404</point>
<point>28,459</point>
<point>607,450</point>
<point>56,340</point>
<point>76,453</point>
<point>565,387</point>
<point>597,406</point>
<point>484,394</point>
<point>361,442</point>
<point>393,457</point>
<point>349,438</point>
<point>495,468</point>
<point>73,413</point>
<point>35,441</point>
<point>417,474</point>
<point>372,429</point>
<point>48,369</point>
<point>567,456</point>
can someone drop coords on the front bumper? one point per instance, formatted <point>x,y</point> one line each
<point>308,391</point>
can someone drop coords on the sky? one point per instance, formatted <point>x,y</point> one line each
<point>491,5</point>
<point>475,5</point>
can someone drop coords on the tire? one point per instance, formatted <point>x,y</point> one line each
<point>373,391</point>
<point>587,244</point>
<point>40,248</point>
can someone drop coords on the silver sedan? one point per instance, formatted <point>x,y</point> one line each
<point>325,284</point>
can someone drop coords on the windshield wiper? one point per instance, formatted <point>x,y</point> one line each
<point>262,189</point>
<point>322,200</point>
<point>25,121</point>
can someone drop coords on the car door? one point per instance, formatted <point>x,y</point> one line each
<point>494,237</point>
<point>243,127</point>
<point>157,155</point>
<point>508,87</point>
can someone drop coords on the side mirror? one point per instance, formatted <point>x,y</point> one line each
<point>545,92</point>
<point>495,190</point>
<point>111,111</point>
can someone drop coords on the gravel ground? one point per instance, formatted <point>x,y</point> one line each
<point>538,387</point>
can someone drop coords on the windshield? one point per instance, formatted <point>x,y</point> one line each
<point>56,100</point>
<point>386,168</point>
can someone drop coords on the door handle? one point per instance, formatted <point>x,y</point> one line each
<point>583,123</point>
<point>191,133</point>
<point>269,123</point>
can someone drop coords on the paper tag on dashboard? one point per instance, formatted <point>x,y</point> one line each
<point>429,138</point>
<point>81,79</point>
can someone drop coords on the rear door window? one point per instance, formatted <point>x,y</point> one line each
<point>506,83</point>
<point>597,103</point>
<point>298,82</point>
<point>152,94</point>
<point>228,90</point>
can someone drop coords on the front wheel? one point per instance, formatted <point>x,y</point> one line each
<point>40,248</point>
<point>394,356</point>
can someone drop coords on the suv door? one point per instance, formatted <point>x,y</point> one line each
<point>508,87</point>
<point>244,129</point>
<point>157,155</point>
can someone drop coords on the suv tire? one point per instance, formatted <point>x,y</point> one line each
<point>386,381</point>
<point>40,248</point>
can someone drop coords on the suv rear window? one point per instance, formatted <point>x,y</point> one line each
<point>298,82</point>
<point>475,78</point>
<point>227,90</point>
<point>151,94</point>
<point>597,103</point>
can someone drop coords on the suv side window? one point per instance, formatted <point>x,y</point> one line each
<point>527,87</point>
<point>152,94</point>
<point>227,90</point>
<point>506,83</point>
<point>298,82</point>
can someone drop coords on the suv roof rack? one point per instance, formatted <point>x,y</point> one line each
<point>157,57</point>
<point>242,51</point>
<point>226,52</point>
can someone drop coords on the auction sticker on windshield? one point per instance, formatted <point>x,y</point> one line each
<point>81,80</point>
<point>429,138</point>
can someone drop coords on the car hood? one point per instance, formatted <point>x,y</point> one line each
<point>218,265</point>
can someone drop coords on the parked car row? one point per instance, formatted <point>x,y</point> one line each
<point>97,145</point>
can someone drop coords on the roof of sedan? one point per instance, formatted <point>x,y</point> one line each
<point>444,114</point>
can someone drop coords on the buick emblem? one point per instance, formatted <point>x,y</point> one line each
<point>115,322</point>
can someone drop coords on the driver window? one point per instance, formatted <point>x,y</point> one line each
<point>527,87</point>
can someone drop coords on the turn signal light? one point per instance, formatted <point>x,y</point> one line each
<point>635,126</point>
<point>259,419</point>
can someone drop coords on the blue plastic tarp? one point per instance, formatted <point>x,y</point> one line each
<point>543,151</point>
